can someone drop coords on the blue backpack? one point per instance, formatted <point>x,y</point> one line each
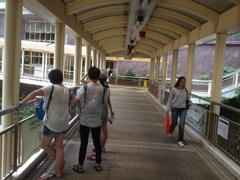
<point>40,113</point>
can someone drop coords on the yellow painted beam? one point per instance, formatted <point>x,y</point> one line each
<point>159,37</point>
<point>192,7</point>
<point>111,40</point>
<point>86,5</point>
<point>102,12</point>
<point>169,32</point>
<point>158,12</point>
<point>106,22</point>
<point>227,21</point>
<point>109,33</point>
<point>109,58</point>
<point>168,25</point>
<point>54,11</point>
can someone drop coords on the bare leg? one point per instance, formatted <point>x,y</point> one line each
<point>59,154</point>
<point>46,145</point>
<point>104,134</point>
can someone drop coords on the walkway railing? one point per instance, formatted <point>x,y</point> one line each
<point>220,129</point>
<point>22,139</point>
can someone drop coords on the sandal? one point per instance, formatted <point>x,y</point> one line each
<point>98,167</point>
<point>77,168</point>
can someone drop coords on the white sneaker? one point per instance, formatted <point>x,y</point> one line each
<point>181,143</point>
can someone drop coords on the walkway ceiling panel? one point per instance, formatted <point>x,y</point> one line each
<point>219,6</point>
<point>192,7</point>
<point>114,45</point>
<point>136,55</point>
<point>109,33</point>
<point>111,40</point>
<point>81,6</point>
<point>168,25</point>
<point>149,54</point>
<point>164,31</point>
<point>152,43</point>
<point>145,47</point>
<point>176,21</point>
<point>107,27</point>
<point>159,37</point>
<point>102,23</point>
<point>103,12</point>
<point>176,16</point>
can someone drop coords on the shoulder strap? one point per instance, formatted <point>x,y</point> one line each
<point>85,93</point>
<point>103,97</point>
<point>187,93</point>
<point>50,98</point>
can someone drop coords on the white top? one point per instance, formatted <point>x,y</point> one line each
<point>57,117</point>
<point>177,98</point>
<point>90,115</point>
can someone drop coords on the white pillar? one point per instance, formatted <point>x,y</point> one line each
<point>174,67</point>
<point>98,60</point>
<point>11,72</point>
<point>218,69</point>
<point>164,70</point>
<point>117,67</point>
<point>88,58</point>
<point>157,69</point>
<point>43,64</point>
<point>77,61</point>
<point>104,62</point>
<point>190,64</point>
<point>46,65</point>
<point>151,73</point>
<point>59,46</point>
<point>22,69</point>
<point>95,57</point>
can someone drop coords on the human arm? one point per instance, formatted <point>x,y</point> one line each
<point>32,95</point>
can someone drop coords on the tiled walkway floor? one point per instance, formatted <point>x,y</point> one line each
<point>138,149</point>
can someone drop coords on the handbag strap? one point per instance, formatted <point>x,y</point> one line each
<point>187,93</point>
<point>103,97</point>
<point>50,98</point>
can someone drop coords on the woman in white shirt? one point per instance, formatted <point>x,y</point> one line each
<point>178,103</point>
<point>56,116</point>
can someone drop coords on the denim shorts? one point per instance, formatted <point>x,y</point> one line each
<point>48,132</point>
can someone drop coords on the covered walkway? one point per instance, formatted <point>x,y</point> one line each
<point>138,149</point>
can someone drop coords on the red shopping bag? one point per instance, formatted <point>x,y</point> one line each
<point>167,123</point>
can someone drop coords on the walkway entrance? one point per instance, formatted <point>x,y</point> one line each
<point>138,149</point>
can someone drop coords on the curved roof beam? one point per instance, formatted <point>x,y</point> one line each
<point>143,51</point>
<point>192,7</point>
<point>160,37</point>
<point>102,11</point>
<point>105,28</point>
<point>145,40</point>
<point>158,12</point>
<point>109,33</point>
<point>79,6</point>
<point>168,25</point>
<point>102,23</point>
<point>151,42</point>
<point>113,45</point>
<point>145,47</point>
<point>170,33</point>
<point>111,40</point>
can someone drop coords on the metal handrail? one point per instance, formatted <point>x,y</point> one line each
<point>16,107</point>
<point>218,104</point>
